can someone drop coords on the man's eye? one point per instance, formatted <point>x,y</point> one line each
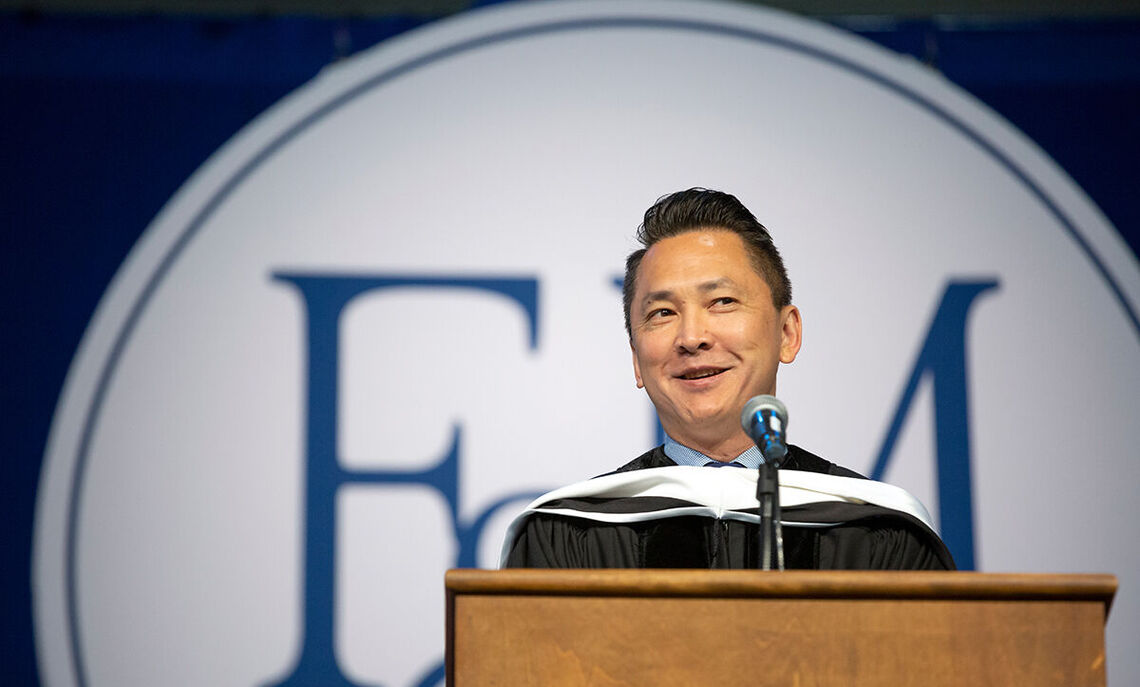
<point>724,300</point>
<point>660,312</point>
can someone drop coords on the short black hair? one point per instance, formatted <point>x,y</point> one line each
<point>701,208</point>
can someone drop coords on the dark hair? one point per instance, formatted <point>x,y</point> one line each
<point>701,208</point>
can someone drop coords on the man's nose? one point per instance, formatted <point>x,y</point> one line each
<point>693,334</point>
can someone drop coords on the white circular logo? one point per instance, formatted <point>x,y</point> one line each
<point>388,312</point>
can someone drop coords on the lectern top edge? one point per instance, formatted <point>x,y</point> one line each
<point>786,584</point>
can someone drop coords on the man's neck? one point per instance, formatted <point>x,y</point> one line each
<point>723,449</point>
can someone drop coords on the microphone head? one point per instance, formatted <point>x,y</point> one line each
<point>760,403</point>
<point>765,421</point>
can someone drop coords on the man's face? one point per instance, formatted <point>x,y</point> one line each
<point>705,335</point>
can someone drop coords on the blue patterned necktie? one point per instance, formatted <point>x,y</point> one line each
<point>718,464</point>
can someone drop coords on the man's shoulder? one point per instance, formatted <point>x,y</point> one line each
<point>653,458</point>
<point>798,459</point>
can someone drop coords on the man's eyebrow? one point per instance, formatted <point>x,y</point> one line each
<point>704,287</point>
<point>715,284</point>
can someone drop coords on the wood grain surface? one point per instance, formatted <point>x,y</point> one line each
<point>529,627</point>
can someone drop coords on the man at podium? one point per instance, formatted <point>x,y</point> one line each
<point>709,316</point>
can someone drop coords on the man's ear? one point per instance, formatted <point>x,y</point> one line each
<point>792,334</point>
<point>636,367</point>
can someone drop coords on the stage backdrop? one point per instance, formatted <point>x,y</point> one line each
<point>387,314</point>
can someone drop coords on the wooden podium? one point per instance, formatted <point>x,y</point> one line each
<point>795,628</point>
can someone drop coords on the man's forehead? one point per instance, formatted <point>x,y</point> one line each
<point>697,243</point>
<point>703,259</point>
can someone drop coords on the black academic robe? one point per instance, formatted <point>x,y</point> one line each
<point>828,536</point>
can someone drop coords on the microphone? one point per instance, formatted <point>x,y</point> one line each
<point>765,421</point>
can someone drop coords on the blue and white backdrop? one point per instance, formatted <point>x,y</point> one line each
<point>387,313</point>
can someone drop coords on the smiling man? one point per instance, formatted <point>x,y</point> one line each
<point>709,316</point>
<point>707,335</point>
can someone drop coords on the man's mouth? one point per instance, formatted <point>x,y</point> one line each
<point>701,373</point>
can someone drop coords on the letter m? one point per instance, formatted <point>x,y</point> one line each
<point>942,359</point>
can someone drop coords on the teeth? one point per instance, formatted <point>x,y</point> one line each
<point>702,375</point>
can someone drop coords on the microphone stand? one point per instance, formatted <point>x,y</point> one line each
<point>771,532</point>
<point>764,419</point>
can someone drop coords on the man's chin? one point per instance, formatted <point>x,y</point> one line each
<point>704,420</point>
